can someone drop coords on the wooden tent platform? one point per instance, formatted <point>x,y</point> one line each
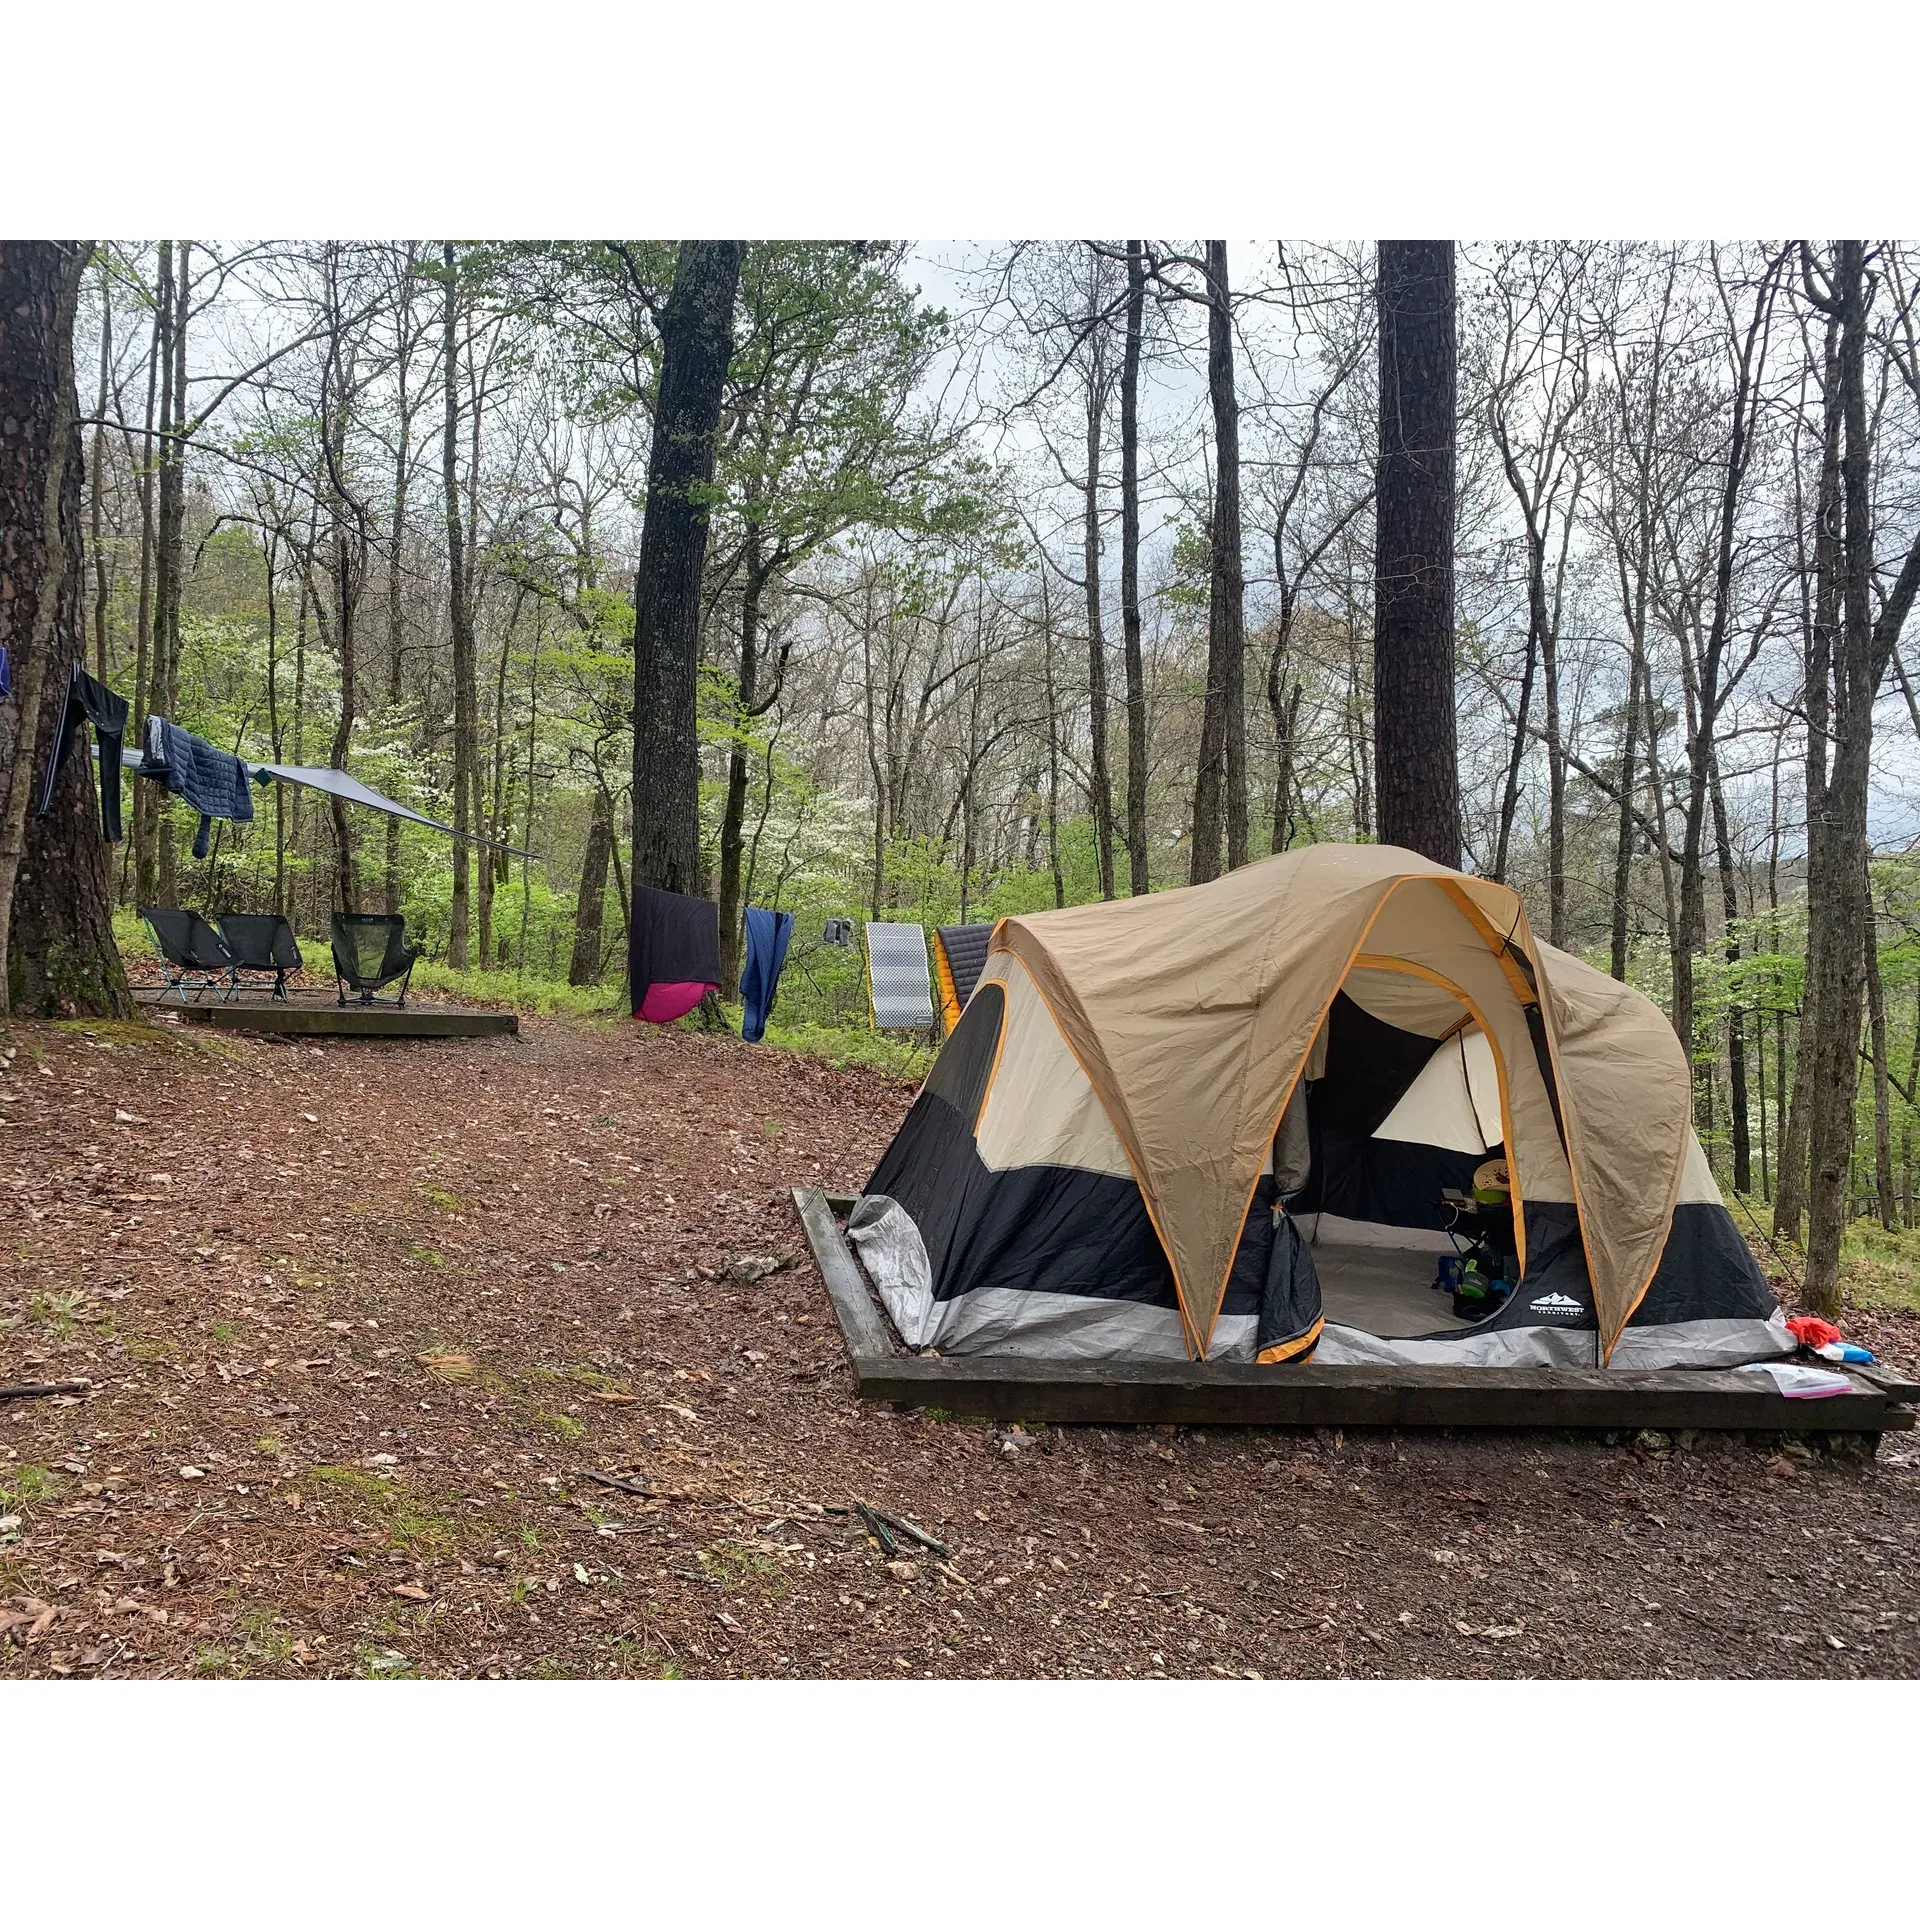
<point>318,1014</point>
<point>1226,1393</point>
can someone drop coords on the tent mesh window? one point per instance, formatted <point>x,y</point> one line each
<point>369,951</point>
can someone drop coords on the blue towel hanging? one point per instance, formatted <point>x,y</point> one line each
<point>768,933</point>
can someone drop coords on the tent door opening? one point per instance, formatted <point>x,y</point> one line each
<point>1402,1107</point>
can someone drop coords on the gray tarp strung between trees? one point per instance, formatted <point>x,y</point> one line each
<point>333,780</point>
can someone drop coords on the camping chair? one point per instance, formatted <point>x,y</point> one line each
<point>191,952</point>
<point>261,943</point>
<point>369,950</point>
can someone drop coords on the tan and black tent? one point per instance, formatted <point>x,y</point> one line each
<point>1221,1122</point>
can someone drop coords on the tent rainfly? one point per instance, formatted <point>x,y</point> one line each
<point>1220,1123</point>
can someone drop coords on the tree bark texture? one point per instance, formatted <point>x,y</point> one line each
<point>466,709</point>
<point>1839,905</point>
<point>1883,1192</point>
<point>1737,1096</point>
<point>1415,772</point>
<point>697,336</point>
<point>750,703</point>
<point>60,955</point>
<point>590,908</point>
<point>1220,790</point>
<point>1823,619</point>
<point>143,616</point>
<point>1138,878</point>
<point>1100,774</point>
<point>96,530</point>
<point>153,869</point>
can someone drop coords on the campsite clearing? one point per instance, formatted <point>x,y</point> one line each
<point>464,1360</point>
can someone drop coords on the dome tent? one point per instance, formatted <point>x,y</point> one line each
<point>1217,1123</point>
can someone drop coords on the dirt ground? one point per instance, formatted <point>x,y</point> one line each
<point>362,1319</point>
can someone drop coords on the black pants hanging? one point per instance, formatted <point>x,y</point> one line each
<point>88,700</point>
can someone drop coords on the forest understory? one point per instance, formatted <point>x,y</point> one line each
<point>363,1320</point>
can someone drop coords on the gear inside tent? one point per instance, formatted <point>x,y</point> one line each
<point>1274,1116</point>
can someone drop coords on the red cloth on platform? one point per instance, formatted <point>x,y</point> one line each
<point>1812,1331</point>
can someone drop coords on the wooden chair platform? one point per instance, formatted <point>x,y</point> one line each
<point>319,1015</point>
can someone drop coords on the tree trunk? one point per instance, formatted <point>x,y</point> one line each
<point>273,719</point>
<point>1100,774</point>
<point>489,818</point>
<point>173,540</point>
<point>57,952</point>
<point>1736,1016</point>
<point>1623,840</point>
<point>749,704</point>
<point>466,715</point>
<point>1220,790</point>
<point>1556,788</point>
<point>347,536</point>
<point>697,336</point>
<point>1837,905</point>
<point>1283,702</point>
<point>1138,879</point>
<point>1817,696</point>
<point>590,908</point>
<point>1882,1096</point>
<point>533,737</point>
<point>96,531</point>
<point>305,610</point>
<point>1417,780</point>
<point>1516,757</point>
<point>142,811</point>
<point>153,868</point>
<point>1790,1189</point>
<point>1053,749</point>
<point>346,592</point>
<point>396,539</point>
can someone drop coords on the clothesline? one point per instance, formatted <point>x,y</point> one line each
<point>209,778</point>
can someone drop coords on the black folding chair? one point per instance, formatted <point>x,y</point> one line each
<point>369,951</point>
<point>192,953</point>
<point>261,943</point>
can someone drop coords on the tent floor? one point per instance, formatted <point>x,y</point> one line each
<point>1383,1290</point>
<point>320,1015</point>
<point>1223,1393</point>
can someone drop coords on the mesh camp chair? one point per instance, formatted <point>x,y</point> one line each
<point>190,951</point>
<point>369,951</point>
<point>260,943</point>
